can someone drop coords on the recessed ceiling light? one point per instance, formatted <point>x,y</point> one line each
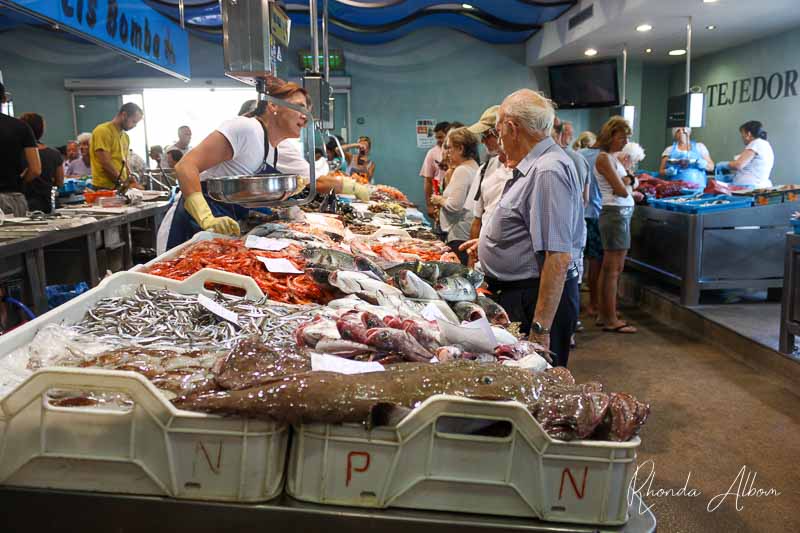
<point>711,27</point>
<point>467,6</point>
<point>82,106</point>
<point>590,52</point>
<point>679,52</point>
<point>648,51</point>
<point>644,27</point>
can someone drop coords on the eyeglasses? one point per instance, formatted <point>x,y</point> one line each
<point>488,133</point>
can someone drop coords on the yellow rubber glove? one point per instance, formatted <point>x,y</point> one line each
<point>351,186</point>
<point>197,206</point>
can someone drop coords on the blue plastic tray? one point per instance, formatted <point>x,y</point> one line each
<point>695,206</point>
<point>670,203</point>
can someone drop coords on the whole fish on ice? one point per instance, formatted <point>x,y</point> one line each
<point>456,289</point>
<point>414,287</point>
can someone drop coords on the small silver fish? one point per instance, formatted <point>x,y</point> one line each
<point>415,287</point>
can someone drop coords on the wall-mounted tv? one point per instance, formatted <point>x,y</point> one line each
<point>579,85</point>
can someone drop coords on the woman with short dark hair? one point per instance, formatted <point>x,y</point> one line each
<point>461,148</point>
<point>38,191</point>
<point>754,165</point>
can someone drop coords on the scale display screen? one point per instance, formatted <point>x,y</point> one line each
<point>335,59</point>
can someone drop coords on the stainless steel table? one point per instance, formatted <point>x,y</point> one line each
<point>790,304</point>
<point>85,512</point>
<point>733,249</point>
<point>71,255</point>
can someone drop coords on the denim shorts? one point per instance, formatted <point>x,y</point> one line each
<point>615,227</point>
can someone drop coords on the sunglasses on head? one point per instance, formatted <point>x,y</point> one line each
<point>488,133</point>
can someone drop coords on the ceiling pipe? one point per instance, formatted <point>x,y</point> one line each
<point>326,61</point>
<point>625,74</point>
<point>688,55</point>
<point>314,24</point>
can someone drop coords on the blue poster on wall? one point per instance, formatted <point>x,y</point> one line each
<point>128,26</point>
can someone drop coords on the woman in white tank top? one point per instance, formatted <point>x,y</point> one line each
<point>615,220</point>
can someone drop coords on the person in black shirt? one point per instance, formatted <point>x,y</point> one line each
<point>19,161</point>
<point>37,191</point>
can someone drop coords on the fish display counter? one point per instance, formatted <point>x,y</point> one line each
<point>357,332</point>
<point>740,248</point>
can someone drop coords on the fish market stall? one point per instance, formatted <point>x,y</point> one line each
<point>378,349</point>
<point>738,248</point>
<point>78,244</point>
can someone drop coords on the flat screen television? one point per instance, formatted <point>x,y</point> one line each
<point>579,85</point>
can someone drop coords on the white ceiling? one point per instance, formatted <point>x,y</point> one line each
<point>614,23</point>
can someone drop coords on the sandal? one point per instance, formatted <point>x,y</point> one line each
<point>622,329</point>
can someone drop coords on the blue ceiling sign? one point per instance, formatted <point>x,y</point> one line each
<point>128,26</point>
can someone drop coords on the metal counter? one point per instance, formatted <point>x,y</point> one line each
<point>80,253</point>
<point>790,304</point>
<point>85,512</point>
<point>733,249</point>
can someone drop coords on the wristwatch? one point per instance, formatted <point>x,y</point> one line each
<point>538,329</point>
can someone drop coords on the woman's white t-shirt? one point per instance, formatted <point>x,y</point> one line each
<point>756,172</point>
<point>609,198</point>
<point>454,218</point>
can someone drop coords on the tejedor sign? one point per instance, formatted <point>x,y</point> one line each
<point>128,26</point>
<point>776,86</point>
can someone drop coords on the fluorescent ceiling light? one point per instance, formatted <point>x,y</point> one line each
<point>680,52</point>
<point>648,51</point>
<point>710,1</point>
<point>711,27</point>
<point>644,27</point>
<point>590,52</point>
<point>467,6</point>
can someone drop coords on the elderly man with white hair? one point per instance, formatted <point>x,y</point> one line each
<point>531,247</point>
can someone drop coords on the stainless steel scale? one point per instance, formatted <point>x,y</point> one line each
<point>246,43</point>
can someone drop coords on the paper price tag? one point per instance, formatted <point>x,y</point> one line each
<point>265,243</point>
<point>279,265</point>
<point>476,336</point>
<point>432,312</point>
<point>331,363</point>
<point>217,309</point>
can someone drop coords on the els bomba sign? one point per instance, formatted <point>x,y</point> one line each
<point>128,26</point>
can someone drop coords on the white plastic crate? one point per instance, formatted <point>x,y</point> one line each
<point>429,461</point>
<point>172,253</point>
<point>149,448</point>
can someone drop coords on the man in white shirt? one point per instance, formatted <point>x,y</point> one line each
<point>487,187</point>
<point>183,142</point>
<point>432,171</point>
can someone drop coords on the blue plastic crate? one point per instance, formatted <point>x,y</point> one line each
<point>696,206</point>
<point>671,202</point>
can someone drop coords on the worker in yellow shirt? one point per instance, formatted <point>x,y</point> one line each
<point>109,148</point>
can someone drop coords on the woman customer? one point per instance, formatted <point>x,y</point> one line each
<point>81,167</point>
<point>461,148</point>
<point>38,192</point>
<point>585,140</point>
<point>686,160</point>
<point>754,165</point>
<point>615,219</point>
<point>360,163</point>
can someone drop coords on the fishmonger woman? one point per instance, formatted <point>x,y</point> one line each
<point>754,165</point>
<point>686,160</point>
